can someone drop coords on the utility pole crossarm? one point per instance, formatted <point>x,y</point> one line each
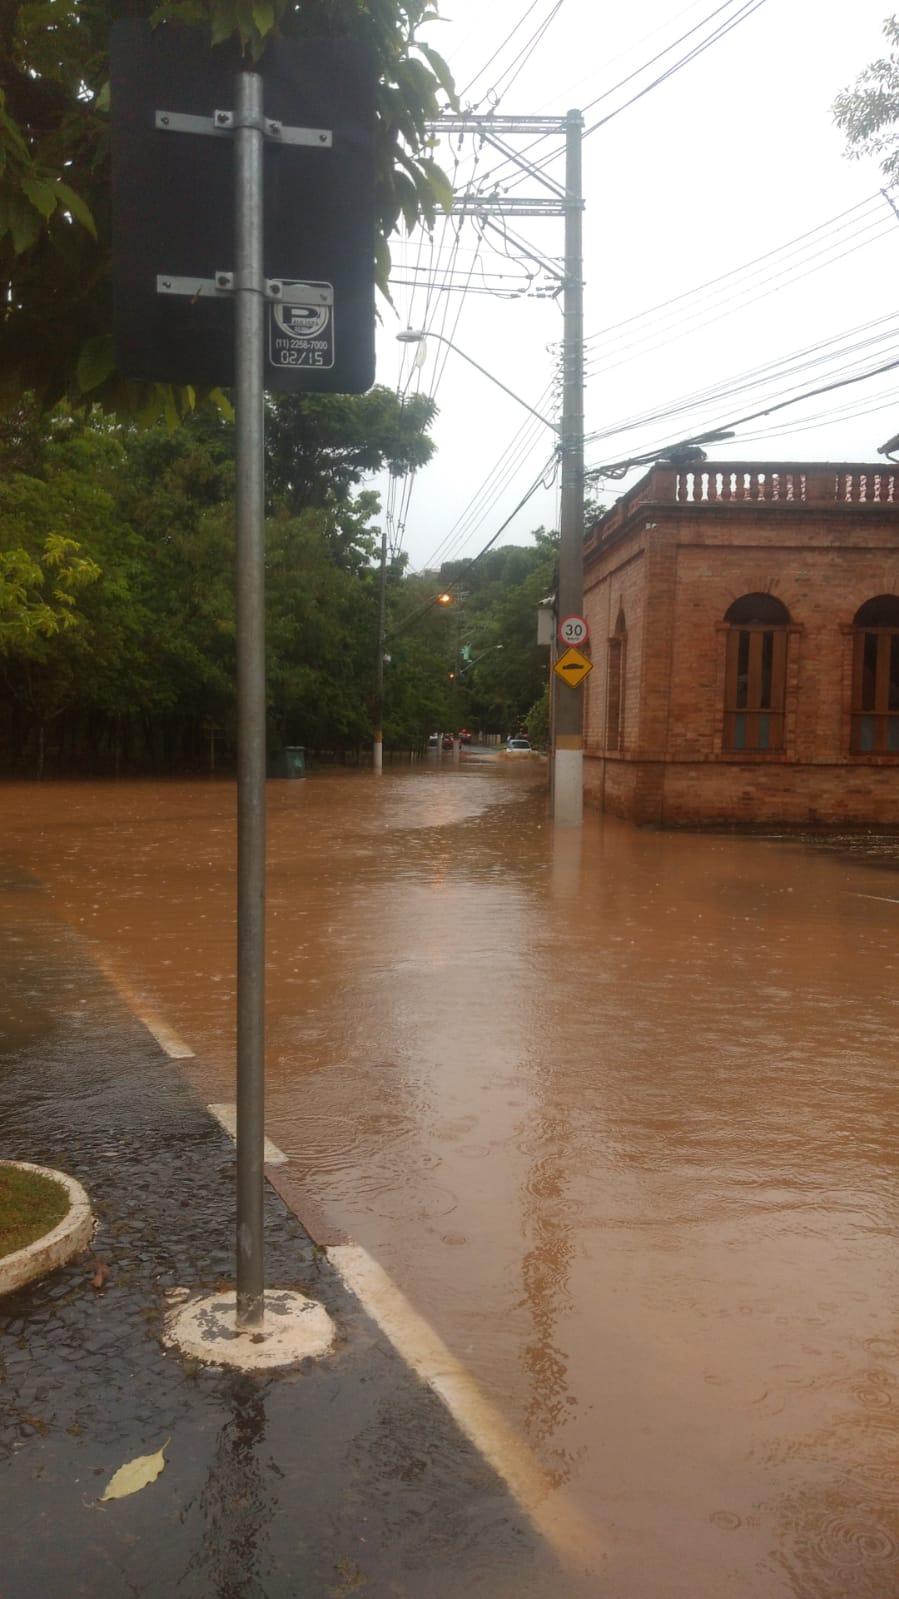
<point>470,122</point>
<point>509,205</point>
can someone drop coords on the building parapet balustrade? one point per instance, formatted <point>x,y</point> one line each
<point>780,486</point>
<point>788,485</point>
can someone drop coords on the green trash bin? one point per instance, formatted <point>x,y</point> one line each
<point>289,762</point>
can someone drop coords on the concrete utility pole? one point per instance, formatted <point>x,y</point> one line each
<point>568,718</point>
<point>377,759</point>
<point>567,710</point>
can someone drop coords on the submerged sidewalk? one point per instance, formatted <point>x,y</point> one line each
<point>344,1477</point>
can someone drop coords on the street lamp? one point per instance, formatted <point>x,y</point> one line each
<point>412,336</point>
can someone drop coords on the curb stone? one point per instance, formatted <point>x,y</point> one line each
<point>68,1238</point>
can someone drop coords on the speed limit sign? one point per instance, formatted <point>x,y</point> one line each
<point>573,632</point>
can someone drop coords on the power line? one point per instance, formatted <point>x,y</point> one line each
<point>702,320</point>
<point>499,49</point>
<point>414,616</point>
<point>769,372</point>
<point>651,344</point>
<point>620,56</point>
<point>525,54</point>
<point>644,67</point>
<point>821,419</point>
<point>768,410</point>
<point>746,10</point>
<point>563,96</point>
<point>396,522</point>
<point>489,491</point>
<point>789,245</point>
<point>488,498</point>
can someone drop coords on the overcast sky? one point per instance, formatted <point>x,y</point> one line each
<point>734,157</point>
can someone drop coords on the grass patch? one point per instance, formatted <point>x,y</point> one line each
<point>29,1207</point>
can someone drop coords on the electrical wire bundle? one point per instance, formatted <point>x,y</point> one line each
<point>441,276</point>
<point>442,266</point>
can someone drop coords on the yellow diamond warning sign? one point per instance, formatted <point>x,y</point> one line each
<point>572,667</point>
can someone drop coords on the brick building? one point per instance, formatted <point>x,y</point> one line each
<point>745,635</point>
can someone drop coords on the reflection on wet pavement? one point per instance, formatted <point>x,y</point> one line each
<point>618,1114</point>
<point>345,1475</point>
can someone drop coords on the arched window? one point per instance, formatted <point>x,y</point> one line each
<point>615,685</point>
<point>756,673</point>
<point>875,677</point>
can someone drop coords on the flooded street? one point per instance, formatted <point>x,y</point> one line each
<point>619,1115</point>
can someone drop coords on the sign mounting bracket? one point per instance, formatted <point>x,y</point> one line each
<point>223,123</point>
<point>225,283</point>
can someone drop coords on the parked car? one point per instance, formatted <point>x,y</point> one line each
<point>518,746</point>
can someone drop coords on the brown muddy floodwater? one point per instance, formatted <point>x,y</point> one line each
<point>622,1123</point>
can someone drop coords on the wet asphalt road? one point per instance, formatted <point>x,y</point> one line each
<point>346,1477</point>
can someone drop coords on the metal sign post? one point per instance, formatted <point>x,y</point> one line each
<point>197,142</point>
<point>249,331</point>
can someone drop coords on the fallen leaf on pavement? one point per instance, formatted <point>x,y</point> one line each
<point>135,1474</point>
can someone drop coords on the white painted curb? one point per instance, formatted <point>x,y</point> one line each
<point>66,1239</point>
<point>226,1116</point>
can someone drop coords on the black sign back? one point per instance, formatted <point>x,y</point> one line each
<point>173,211</point>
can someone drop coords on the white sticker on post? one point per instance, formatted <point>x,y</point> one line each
<point>301,332</point>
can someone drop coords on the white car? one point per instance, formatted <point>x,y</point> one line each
<point>518,746</point>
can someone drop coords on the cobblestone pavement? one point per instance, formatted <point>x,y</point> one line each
<point>346,1477</point>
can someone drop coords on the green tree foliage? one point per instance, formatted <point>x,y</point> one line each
<point>320,447</point>
<point>868,112</point>
<point>537,721</point>
<point>39,593</point>
<point>419,696</point>
<point>117,646</point>
<point>117,608</point>
<point>500,594</point>
<point>51,526</point>
<point>54,168</point>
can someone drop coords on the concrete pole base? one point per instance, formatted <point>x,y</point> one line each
<point>568,788</point>
<point>294,1328</point>
<point>377,758</point>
